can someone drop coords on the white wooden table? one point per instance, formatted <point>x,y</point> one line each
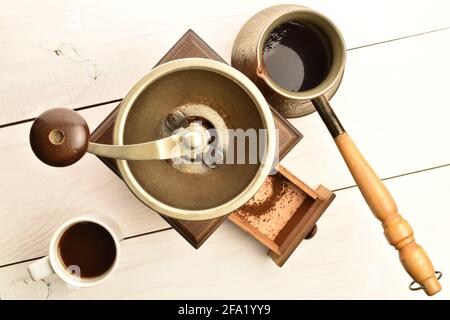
<point>393,101</point>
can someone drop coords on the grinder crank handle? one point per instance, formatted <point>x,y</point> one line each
<point>397,230</point>
<point>59,137</point>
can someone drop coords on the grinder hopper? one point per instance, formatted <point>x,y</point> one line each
<point>175,107</point>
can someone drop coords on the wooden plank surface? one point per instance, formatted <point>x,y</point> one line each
<point>78,52</point>
<point>398,131</point>
<point>393,101</point>
<point>348,258</point>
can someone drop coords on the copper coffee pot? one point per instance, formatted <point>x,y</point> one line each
<point>248,57</point>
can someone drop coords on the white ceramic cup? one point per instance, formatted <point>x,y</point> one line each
<point>52,263</point>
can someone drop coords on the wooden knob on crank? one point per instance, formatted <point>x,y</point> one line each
<point>59,137</point>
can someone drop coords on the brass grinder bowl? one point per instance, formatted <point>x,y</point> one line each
<point>141,118</point>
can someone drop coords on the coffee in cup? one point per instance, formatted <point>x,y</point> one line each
<point>83,252</point>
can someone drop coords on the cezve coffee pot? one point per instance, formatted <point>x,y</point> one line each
<point>321,48</point>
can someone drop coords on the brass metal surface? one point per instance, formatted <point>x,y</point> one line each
<point>143,112</point>
<point>247,56</point>
<point>161,149</point>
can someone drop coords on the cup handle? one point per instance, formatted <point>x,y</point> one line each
<point>40,269</point>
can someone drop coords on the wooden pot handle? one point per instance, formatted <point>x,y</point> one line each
<point>397,230</point>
